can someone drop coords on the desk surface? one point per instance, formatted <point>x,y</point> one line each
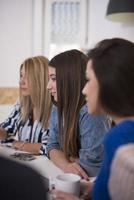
<point>42,164</point>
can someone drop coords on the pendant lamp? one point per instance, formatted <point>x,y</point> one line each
<point>120,10</point>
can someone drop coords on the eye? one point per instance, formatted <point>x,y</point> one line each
<point>87,79</point>
<point>21,75</point>
<point>53,78</point>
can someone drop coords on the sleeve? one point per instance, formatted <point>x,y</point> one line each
<point>92,130</point>
<point>100,189</point>
<point>11,123</point>
<point>44,140</point>
<point>53,131</point>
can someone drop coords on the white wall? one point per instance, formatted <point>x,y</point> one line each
<point>100,27</point>
<point>15,38</point>
<point>21,33</point>
<point>5,110</point>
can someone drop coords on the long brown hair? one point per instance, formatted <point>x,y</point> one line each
<point>70,79</point>
<point>36,69</point>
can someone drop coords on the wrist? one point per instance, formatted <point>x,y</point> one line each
<point>66,166</point>
<point>19,145</point>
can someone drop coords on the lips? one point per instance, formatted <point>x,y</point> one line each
<point>22,88</point>
<point>86,99</point>
<point>53,93</point>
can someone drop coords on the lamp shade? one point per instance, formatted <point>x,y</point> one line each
<point>120,10</point>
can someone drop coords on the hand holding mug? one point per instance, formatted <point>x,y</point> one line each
<point>68,182</point>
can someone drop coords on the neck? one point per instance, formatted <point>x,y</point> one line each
<point>118,120</point>
<point>35,114</point>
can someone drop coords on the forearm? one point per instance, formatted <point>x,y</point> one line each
<point>58,158</point>
<point>3,134</point>
<point>26,146</point>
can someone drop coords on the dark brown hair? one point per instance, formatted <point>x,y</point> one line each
<point>70,79</point>
<point>113,65</point>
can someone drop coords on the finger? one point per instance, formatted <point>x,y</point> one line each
<point>75,168</point>
<point>63,195</point>
<point>82,173</point>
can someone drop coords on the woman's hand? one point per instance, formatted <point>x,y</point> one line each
<point>85,192</point>
<point>75,168</point>
<point>26,146</point>
<point>18,145</point>
<point>59,159</point>
<point>59,195</point>
<point>85,189</point>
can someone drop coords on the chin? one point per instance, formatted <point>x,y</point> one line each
<point>91,111</point>
<point>25,94</point>
<point>55,99</point>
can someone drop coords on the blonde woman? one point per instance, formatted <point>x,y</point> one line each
<point>30,115</point>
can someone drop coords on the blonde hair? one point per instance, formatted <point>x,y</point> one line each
<point>36,69</point>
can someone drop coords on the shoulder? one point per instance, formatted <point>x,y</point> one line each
<point>83,111</point>
<point>13,166</point>
<point>54,109</point>
<point>90,117</point>
<point>27,178</point>
<point>120,134</point>
<point>123,128</point>
<point>54,114</point>
<point>83,115</point>
<point>16,105</point>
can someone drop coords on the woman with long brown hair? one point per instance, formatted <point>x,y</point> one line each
<point>75,141</point>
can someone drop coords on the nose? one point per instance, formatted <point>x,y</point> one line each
<point>49,86</point>
<point>22,81</point>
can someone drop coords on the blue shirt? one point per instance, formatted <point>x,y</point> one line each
<point>29,131</point>
<point>91,133</point>
<point>121,134</point>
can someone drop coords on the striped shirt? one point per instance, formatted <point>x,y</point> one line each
<point>30,131</point>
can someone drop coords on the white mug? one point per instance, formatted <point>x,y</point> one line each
<point>67,182</point>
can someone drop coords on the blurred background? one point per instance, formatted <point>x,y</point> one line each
<point>47,27</point>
